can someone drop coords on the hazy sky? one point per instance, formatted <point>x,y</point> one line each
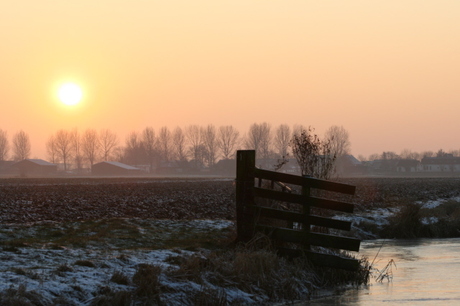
<point>387,71</point>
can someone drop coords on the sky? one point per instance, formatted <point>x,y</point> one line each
<point>387,71</point>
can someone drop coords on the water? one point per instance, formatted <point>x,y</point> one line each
<point>427,272</point>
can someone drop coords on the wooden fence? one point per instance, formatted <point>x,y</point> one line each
<point>295,214</point>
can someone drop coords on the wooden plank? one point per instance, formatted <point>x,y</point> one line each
<point>330,223</point>
<point>279,195</point>
<point>324,260</point>
<point>331,204</point>
<point>299,180</point>
<point>300,199</point>
<point>300,218</point>
<point>324,240</point>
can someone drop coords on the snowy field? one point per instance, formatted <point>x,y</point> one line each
<point>64,274</point>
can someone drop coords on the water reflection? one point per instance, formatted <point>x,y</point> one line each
<point>427,272</point>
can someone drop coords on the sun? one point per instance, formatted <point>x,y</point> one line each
<point>70,93</point>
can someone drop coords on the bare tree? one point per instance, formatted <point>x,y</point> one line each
<point>51,149</point>
<point>134,150</point>
<point>149,144</point>
<point>339,140</point>
<point>4,145</point>
<point>314,156</point>
<point>282,139</point>
<point>373,156</point>
<point>90,146</point>
<point>179,144</point>
<point>227,140</point>
<point>193,135</point>
<point>107,142</point>
<point>77,150</point>
<point>64,142</point>
<point>165,144</point>
<point>408,154</point>
<point>209,137</point>
<point>21,146</point>
<point>428,154</point>
<point>259,139</point>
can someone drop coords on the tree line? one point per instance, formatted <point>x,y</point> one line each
<point>198,146</point>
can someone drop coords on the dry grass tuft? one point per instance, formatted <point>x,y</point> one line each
<point>147,282</point>
<point>85,263</point>
<point>118,298</point>
<point>210,297</point>
<point>21,297</point>
<point>120,278</point>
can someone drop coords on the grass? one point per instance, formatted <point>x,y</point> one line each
<point>254,269</point>
<point>260,272</point>
<point>20,297</point>
<point>115,234</point>
<point>147,282</point>
<point>85,263</point>
<point>120,278</point>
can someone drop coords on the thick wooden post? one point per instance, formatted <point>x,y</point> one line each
<point>306,213</point>
<point>245,166</point>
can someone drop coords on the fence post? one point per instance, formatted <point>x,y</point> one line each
<point>245,166</point>
<point>306,212</point>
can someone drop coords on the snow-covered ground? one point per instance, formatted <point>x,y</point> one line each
<point>78,276</point>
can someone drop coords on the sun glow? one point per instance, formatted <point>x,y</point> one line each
<point>70,93</point>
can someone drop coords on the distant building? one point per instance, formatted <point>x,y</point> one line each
<point>34,167</point>
<point>349,165</point>
<point>5,166</point>
<point>407,165</point>
<point>226,167</point>
<point>446,163</point>
<point>110,168</point>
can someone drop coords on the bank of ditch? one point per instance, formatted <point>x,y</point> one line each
<point>151,262</point>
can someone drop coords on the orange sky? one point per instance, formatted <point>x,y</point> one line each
<point>388,71</point>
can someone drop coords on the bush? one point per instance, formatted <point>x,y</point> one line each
<point>407,223</point>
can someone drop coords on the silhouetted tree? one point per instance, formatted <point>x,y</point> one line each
<point>193,134</point>
<point>64,146</point>
<point>149,144</point>
<point>134,149</point>
<point>339,140</point>
<point>51,149</point>
<point>314,156</point>
<point>165,144</point>
<point>209,137</point>
<point>282,139</point>
<point>179,144</point>
<point>21,146</point>
<point>227,140</point>
<point>4,145</point>
<point>107,142</point>
<point>90,146</point>
<point>77,150</point>
<point>408,154</point>
<point>259,139</point>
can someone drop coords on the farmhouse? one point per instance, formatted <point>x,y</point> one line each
<point>35,167</point>
<point>111,168</point>
<point>446,163</point>
<point>407,165</point>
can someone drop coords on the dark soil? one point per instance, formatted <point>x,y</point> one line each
<point>34,200</point>
<point>70,199</point>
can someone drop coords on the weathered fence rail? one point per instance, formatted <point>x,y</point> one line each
<point>250,212</point>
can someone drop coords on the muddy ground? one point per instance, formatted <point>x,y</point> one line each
<point>72,199</point>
